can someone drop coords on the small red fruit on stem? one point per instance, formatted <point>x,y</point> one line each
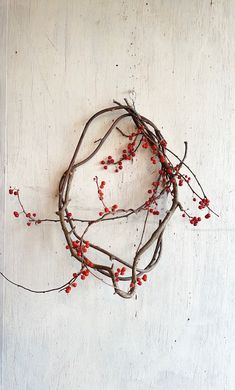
<point>144,278</point>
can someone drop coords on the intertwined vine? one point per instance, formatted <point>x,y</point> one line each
<point>125,277</point>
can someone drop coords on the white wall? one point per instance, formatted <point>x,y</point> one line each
<point>58,67</point>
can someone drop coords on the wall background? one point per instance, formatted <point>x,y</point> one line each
<point>62,61</point>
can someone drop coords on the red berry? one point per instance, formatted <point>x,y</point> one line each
<point>28,223</point>
<point>102,162</point>
<point>194,199</point>
<point>106,209</point>
<point>34,214</point>
<point>11,191</point>
<point>105,167</point>
<point>16,192</point>
<point>89,263</point>
<point>74,284</point>
<point>75,275</point>
<point>115,206</point>
<point>103,183</point>
<point>68,289</point>
<point>83,277</point>
<point>183,215</point>
<point>28,215</point>
<point>16,214</point>
<point>100,213</point>
<point>207,216</point>
<point>145,277</point>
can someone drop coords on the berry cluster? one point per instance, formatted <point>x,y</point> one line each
<point>79,246</point>
<point>106,209</point>
<point>120,271</point>
<point>73,283</point>
<point>203,203</point>
<point>30,216</point>
<point>127,153</point>
<point>139,281</point>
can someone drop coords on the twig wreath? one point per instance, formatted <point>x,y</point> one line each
<point>123,276</point>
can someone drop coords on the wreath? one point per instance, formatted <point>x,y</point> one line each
<point>123,276</point>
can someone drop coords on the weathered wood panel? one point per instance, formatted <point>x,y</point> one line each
<point>66,59</point>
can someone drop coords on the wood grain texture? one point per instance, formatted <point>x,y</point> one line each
<point>3,102</point>
<point>65,60</point>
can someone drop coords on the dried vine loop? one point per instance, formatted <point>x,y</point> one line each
<point>149,136</point>
<point>123,276</point>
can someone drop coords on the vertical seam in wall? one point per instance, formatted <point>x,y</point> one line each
<point>3,124</point>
